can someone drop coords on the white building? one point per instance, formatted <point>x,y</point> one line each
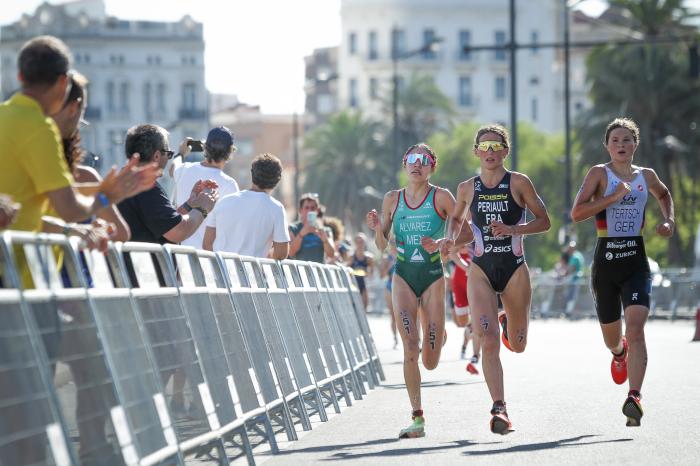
<point>477,81</point>
<point>139,71</point>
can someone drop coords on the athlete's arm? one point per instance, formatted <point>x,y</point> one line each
<point>459,262</point>
<point>209,237</point>
<point>524,192</point>
<point>663,197</point>
<point>590,200</point>
<point>381,225</point>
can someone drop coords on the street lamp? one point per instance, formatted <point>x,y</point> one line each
<point>429,46</point>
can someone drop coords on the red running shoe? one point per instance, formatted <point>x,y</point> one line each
<point>503,320</point>
<point>618,366</point>
<point>471,368</point>
<point>500,424</point>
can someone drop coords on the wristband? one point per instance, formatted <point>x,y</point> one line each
<point>103,199</point>
<point>67,228</point>
<point>187,207</point>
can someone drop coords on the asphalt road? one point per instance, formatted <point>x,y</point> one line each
<point>561,399</point>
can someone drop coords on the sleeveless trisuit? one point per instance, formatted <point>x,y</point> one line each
<point>620,271</point>
<point>413,263</point>
<point>498,256</point>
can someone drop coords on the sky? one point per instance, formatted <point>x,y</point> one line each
<point>255,49</point>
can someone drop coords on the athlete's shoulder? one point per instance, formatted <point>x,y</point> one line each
<point>392,195</point>
<point>466,184</point>
<point>518,179</point>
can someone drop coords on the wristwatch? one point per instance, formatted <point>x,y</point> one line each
<point>102,199</point>
<point>187,207</point>
<point>202,211</point>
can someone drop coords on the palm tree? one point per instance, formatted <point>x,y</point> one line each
<point>348,155</point>
<point>649,83</point>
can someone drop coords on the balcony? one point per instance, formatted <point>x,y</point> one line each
<point>192,114</point>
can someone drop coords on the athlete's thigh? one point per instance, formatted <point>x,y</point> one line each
<point>516,302</point>
<point>433,316</point>
<point>405,305</point>
<point>483,302</point>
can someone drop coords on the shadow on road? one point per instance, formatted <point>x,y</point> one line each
<point>349,455</point>
<point>567,442</point>
<point>433,384</point>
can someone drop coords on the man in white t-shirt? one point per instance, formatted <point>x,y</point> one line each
<point>218,149</point>
<point>251,222</point>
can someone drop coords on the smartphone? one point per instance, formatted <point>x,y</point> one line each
<point>196,145</point>
<point>311,218</point>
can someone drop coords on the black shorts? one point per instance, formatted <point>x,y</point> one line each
<point>499,268</point>
<point>620,276</point>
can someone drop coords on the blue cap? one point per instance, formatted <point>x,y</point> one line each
<point>220,137</point>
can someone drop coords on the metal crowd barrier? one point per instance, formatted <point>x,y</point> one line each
<point>675,294</point>
<point>146,355</point>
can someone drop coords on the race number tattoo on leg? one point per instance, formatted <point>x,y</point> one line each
<point>484,322</point>
<point>432,335</point>
<point>405,321</point>
<point>520,336</point>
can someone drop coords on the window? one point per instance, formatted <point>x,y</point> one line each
<point>465,38</point>
<point>124,97</point>
<point>373,88</point>
<point>325,104</point>
<point>160,97</point>
<point>398,42</point>
<point>188,96</point>
<point>148,99</point>
<point>110,96</point>
<point>534,81</point>
<point>533,109</point>
<point>534,39</point>
<point>373,46</point>
<point>500,38</point>
<point>465,91</point>
<point>428,38</point>
<point>500,85</point>
<point>353,92</point>
<point>352,43</point>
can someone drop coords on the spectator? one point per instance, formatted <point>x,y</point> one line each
<point>34,171</point>
<point>150,215</point>
<point>112,225</point>
<point>362,264</point>
<point>574,271</point>
<point>251,222</point>
<point>218,149</point>
<point>310,242</point>
<point>337,231</point>
<point>8,211</point>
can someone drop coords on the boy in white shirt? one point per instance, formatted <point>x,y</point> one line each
<point>251,222</point>
<point>218,149</point>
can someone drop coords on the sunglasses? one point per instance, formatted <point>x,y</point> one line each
<point>490,145</point>
<point>413,157</point>
<point>168,153</point>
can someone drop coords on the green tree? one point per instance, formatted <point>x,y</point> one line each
<point>650,83</point>
<point>348,154</point>
<point>423,110</point>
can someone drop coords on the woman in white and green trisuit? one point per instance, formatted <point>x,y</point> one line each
<point>416,213</point>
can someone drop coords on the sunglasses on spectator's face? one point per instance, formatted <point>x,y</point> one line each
<point>490,145</point>
<point>168,153</point>
<point>425,159</point>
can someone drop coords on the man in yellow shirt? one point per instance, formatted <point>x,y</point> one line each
<point>34,172</point>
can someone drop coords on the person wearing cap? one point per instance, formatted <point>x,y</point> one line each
<point>218,150</point>
<point>311,241</point>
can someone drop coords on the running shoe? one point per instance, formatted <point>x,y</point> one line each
<point>632,408</point>
<point>503,320</point>
<point>618,366</point>
<point>500,424</point>
<point>416,429</point>
<point>471,368</point>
